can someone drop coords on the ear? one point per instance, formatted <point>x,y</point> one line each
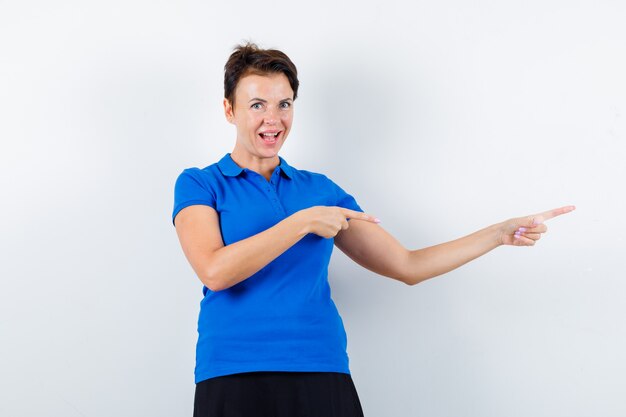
<point>229,112</point>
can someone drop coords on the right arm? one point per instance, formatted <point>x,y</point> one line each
<point>220,267</point>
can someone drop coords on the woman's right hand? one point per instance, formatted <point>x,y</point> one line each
<point>221,266</point>
<point>327,221</point>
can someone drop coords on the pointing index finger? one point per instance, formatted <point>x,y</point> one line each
<point>550,214</point>
<point>357,215</point>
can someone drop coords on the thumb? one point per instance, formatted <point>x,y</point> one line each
<point>532,221</point>
<point>538,219</point>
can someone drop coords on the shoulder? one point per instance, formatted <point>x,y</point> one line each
<point>320,181</point>
<point>315,180</point>
<point>206,175</point>
<point>199,183</point>
<point>209,170</point>
<point>310,176</point>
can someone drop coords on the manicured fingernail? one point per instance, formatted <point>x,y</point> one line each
<point>516,236</point>
<point>376,220</point>
<point>522,229</point>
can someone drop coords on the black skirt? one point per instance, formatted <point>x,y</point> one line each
<point>278,394</point>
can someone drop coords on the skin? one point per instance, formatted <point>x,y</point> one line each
<point>262,103</point>
<point>265,103</point>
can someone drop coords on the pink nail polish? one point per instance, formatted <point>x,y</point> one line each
<point>522,229</point>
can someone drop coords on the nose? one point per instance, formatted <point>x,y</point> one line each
<point>271,117</point>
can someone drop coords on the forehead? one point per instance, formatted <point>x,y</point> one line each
<point>271,86</point>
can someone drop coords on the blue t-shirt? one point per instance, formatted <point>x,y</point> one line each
<point>282,318</point>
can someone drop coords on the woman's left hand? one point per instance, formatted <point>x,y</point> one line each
<point>525,231</point>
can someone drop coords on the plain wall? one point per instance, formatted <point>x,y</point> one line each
<point>439,117</point>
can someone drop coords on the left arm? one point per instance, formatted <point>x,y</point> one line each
<point>372,247</point>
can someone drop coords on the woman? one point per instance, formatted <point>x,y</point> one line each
<point>259,235</point>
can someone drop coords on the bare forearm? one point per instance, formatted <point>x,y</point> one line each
<point>436,260</point>
<point>234,263</point>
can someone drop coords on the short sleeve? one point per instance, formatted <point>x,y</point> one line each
<point>344,199</point>
<point>191,189</point>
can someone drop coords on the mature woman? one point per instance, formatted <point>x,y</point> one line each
<point>259,234</point>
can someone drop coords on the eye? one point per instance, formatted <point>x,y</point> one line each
<point>285,105</point>
<point>256,106</point>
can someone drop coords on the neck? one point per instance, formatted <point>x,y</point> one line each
<point>262,166</point>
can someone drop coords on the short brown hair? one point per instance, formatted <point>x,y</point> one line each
<point>250,59</point>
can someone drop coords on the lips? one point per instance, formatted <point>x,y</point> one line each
<point>270,137</point>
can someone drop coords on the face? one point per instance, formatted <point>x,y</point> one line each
<point>262,113</point>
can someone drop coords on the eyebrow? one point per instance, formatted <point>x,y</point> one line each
<point>265,101</point>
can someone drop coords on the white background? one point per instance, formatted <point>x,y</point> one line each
<point>439,117</point>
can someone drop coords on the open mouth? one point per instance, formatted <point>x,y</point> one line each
<point>270,137</point>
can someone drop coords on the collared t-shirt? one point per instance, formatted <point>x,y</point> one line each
<point>282,318</point>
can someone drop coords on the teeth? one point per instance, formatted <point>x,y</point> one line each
<point>270,134</point>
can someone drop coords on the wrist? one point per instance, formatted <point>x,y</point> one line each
<point>301,223</point>
<point>497,233</point>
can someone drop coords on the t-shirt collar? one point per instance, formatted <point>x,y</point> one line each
<point>231,169</point>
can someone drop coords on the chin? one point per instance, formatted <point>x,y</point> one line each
<point>269,153</point>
